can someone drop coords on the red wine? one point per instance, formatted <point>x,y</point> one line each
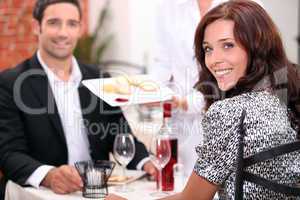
<point>167,178</point>
<point>167,172</point>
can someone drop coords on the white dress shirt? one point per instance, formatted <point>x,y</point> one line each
<point>176,23</point>
<point>68,104</point>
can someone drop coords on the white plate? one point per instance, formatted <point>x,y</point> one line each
<point>137,96</point>
<point>132,175</point>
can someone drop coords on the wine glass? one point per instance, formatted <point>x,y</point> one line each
<point>124,150</point>
<point>160,154</point>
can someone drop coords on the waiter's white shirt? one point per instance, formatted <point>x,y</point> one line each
<point>176,23</point>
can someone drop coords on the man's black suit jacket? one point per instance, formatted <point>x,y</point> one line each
<point>30,139</point>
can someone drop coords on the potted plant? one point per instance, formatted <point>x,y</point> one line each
<point>90,48</point>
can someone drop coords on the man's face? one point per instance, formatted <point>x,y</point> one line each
<point>59,31</point>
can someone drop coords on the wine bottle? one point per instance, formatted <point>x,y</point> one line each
<point>166,129</point>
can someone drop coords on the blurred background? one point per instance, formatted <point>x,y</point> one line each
<point>119,36</point>
<point>118,30</point>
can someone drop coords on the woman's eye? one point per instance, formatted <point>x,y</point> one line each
<point>228,45</point>
<point>207,49</point>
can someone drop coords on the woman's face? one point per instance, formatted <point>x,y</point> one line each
<point>225,58</point>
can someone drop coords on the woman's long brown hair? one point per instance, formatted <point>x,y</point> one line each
<point>257,33</point>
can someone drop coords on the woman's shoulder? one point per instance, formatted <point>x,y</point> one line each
<point>250,102</point>
<point>258,98</point>
<point>223,117</point>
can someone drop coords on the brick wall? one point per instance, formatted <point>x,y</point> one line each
<point>17,40</point>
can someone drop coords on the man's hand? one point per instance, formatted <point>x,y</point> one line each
<point>62,180</point>
<point>150,169</point>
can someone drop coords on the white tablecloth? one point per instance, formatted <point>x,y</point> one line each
<point>141,191</point>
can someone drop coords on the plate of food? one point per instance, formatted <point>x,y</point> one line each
<point>128,90</point>
<point>131,175</point>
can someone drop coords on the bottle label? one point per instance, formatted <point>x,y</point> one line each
<point>167,110</point>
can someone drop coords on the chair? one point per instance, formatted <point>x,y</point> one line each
<point>242,175</point>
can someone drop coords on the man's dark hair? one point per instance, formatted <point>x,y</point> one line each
<point>41,5</point>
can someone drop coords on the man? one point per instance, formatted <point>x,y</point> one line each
<point>48,120</point>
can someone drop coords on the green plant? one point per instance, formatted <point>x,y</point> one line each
<point>91,47</point>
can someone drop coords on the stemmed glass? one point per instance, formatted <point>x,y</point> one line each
<point>160,154</point>
<point>124,150</point>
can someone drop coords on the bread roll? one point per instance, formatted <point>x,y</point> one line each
<point>109,88</point>
<point>148,86</point>
<point>117,178</point>
<point>122,85</point>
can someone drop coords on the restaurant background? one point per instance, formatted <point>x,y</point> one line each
<point>17,40</point>
<point>130,23</point>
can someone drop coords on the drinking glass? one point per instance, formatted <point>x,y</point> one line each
<point>124,150</point>
<point>160,154</point>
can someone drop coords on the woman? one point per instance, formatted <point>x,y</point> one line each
<point>174,64</point>
<point>244,67</point>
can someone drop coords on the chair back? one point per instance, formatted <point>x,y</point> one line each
<point>242,163</point>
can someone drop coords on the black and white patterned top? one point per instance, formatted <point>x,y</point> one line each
<point>267,125</point>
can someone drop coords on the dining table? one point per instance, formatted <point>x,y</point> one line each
<point>140,190</point>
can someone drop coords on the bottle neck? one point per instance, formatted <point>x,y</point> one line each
<point>166,128</point>
<point>167,110</point>
<point>166,121</point>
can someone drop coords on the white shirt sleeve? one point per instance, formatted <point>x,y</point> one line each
<point>141,163</point>
<point>195,101</point>
<point>160,69</point>
<point>38,175</point>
